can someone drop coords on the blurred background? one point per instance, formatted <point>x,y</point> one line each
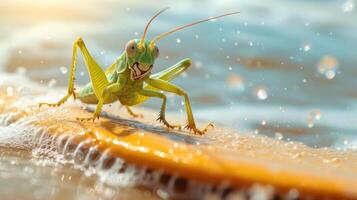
<point>285,69</point>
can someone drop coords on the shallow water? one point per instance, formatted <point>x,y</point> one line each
<point>282,69</point>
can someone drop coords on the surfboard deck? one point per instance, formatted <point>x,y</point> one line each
<point>222,156</point>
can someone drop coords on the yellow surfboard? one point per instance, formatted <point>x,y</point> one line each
<point>222,158</point>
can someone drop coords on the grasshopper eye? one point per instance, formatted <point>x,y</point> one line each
<point>156,52</point>
<point>130,48</point>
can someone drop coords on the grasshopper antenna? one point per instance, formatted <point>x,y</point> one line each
<point>153,42</point>
<point>147,26</point>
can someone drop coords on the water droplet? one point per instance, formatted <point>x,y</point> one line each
<point>307,47</point>
<point>223,40</point>
<point>332,160</point>
<point>10,91</point>
<point>197,36</point>
<point>19,51</point>
<point>263,122</point>
<point>251,43</point>
<point>102,52</point>
<point>198,64</point>
<point>52,82</point>
<point>21,70</point>
<point>348,6</point>
<point>335,160</point>
<point>230,68</point>
<point>261,93</point>
<point>257,191</point>
<point>278,136</point>
<point>63,70</point>
<point>178,40</point>
<point>327,67</point>
<point>297,155</point>
<point>345,142</point>
<point>317,114</point>
<point>330,74</point>
<point>313,116</point>
<point>293,194</point>
<point>136,33</point>
<point>81,73</point>
<point>236,82</point>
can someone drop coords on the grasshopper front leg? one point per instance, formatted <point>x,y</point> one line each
<point>152,93</point>
<point>169,87</point>
<point>131,112</point>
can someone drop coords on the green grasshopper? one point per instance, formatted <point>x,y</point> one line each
<point>129,78</point>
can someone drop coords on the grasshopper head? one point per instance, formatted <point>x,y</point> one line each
<point>142,53</point>
<point>141,57</point>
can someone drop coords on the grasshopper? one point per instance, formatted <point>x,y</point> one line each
<point>129,79</point>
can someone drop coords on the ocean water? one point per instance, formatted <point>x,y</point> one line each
<point>277,68</point>
<point>285,69</point>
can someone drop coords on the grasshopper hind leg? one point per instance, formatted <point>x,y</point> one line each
<point>71,88</point>
<point>98,79</point>
<point>60,102</point>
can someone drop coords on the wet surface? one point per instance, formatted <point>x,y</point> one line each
<point>24,177</point>
<point>53,139</point>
